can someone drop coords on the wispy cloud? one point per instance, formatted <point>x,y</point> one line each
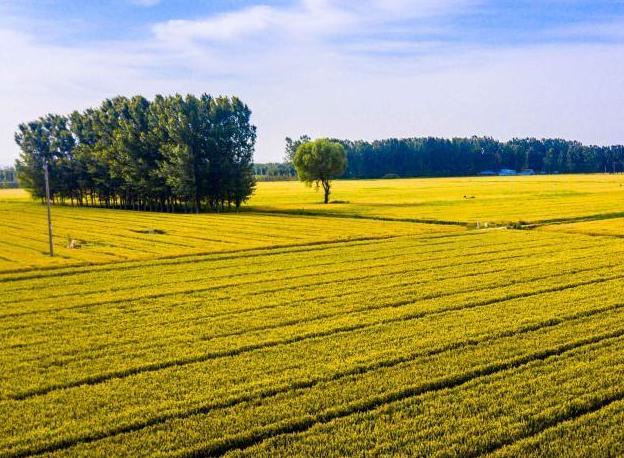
<point>612,30</point>
<point>146,3</point>
<point>225,27</point>
<point>309,19</point>
<point>342,68</point>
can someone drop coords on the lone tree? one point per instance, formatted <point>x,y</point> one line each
<point>319,162</point>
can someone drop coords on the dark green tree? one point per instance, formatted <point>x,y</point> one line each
<point>46,140</point>
<point>174,153</point>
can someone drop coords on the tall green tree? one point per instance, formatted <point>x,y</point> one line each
<point>234,138</point>
<point>319,162</point>
<point>46,140</point>
<point>185,129</point>
<point>292,146</point>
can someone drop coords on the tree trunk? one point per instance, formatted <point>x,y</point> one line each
<point>326,187</point>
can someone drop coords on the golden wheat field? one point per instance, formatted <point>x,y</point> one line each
<point>388,324</point>
<point>477,199</point>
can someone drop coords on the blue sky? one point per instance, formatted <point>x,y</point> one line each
<point>355,69</point>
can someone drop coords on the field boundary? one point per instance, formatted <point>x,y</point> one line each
<point>330,214</point>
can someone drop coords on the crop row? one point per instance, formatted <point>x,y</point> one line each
<point>202,274</point>
<point>597,433</point>
<point>348,299</point>
<point>208,270</point>
<point>147,415</point>
<point>473,418</point>
<point>45,273</point>
<point>278,304</point>
<point>117,235</point>
<point>316,340</point>
<point>264,295</point>
<point>118,345</point>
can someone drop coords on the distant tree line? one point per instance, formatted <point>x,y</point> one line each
<point>275,171</point>
<point>173,153</point>
<point>8,178</point>
<point>412,157</point>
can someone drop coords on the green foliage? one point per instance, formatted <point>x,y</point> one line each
<point>292,146</point>
<point>274,171</point>
<point>174,153</point>
<point>47,139</point>
<point>441,157</point>
<point>319,162</point>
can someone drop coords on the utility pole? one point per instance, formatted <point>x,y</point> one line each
<point>47,188</point>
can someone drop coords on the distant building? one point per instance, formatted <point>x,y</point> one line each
<point>527,172</point>
<point>507,172</point>
<point>487,173</point>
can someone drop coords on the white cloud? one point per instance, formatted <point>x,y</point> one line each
<point>300,72</point>
<point>147,3</point>
<point>310,19</point>
<point>229,26</point>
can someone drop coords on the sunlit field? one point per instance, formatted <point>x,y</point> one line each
<point>12,195</point>
<point>478,199</point>
<point>274,333</point>
<point>612,227</point>
<point>116,235</point>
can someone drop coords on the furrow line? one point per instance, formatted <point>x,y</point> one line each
<point>391,254</point>
<point>186,258</point>
<point>225,286</point>
<point>153,367</point>
<point>250,438</point>
<point>570,413</point>
<point>305,384</point>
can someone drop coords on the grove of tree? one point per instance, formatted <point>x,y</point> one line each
<point>172,153</point>
<point>439,157</point>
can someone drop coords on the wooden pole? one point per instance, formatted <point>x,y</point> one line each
<point>47,188</point>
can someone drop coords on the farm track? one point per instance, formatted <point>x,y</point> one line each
<point>361,370</point>
<point>321,316</point>
<point>250,439</point>
<point>298,336</point>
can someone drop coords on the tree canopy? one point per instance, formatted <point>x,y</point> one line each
<point>319,162</point>
<point>174,153</point>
